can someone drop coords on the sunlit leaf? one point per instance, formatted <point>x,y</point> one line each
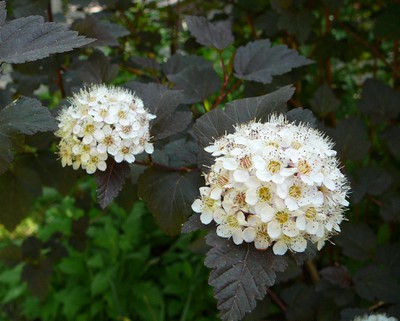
<point>30,38</point>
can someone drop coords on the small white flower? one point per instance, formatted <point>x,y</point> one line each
<point>275,184</point>
<point>102,121</point>
<point>375,317</point>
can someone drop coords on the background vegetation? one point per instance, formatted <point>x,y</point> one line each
<point>64,258</point>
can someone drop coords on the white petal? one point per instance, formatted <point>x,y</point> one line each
<point>267,213</point>
<point>290,229</point>
<point>149,148</point>
<point>280,248</point>
<point>249,234</point>
<point>291,204</point>
<point>298,245</point>
<point>224,231</point>
<point>237,236</point>
<point>206,217</point>
<point>261,243</point>
<point>241,218</point>
<point>230,163</point>
<point>301,222</point>
<point>251,197</point>
<point>263,175</point>
<point>197,206</point>
<point>216,193</point>
<point>274,229</point>
<point>102,166</point>
<point>87,139</point>
<point>312,227</point>
<point>258,162</point>
<point>329,183</point>
<point>241,176</point>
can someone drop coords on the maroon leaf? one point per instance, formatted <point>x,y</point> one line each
<point>110,182</point>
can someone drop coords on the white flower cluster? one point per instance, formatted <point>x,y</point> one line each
<point>103,121</point>
<point>374,317</point>
<point>275,184</point>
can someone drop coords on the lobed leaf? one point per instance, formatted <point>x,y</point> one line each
<point>391,136</point>
<point>23,116</point>
<point>30,38</point>
<point>3,13</point>
<point>301,301</point>
<point>324,100</point>
<point>358,241</point>
<point>169,196</point>
<point>217,35</point>
<point>197,82</point>
<point>300,115</point>
<point>258,61</point>
<point>298,23</point>
<point>351,138</point>
<point>162,102</point>
<point>17,191</point>
<point>110,182</point>
<point>177,62</point>
<point>240,275</point>
<point>374,282</point>
<point>378,101</point>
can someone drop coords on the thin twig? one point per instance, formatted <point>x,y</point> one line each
<point>366,44</point>
<point>312,269</point>
<point>276,299</point>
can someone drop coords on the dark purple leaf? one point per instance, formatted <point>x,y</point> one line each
<point>391,136</point>
<point>258,61</point>
<point>297,23</point>
<point>197,83</point>
<point>302,116</point>
<point>169,196</point>
<point>37,276</point>
<point>110,182</point>
<point>379,102</point>
<point>324,100</point>
<point>240,275</point>
<point>217,35</point>
<point>337,275</point>
<point>3,13</point>
<point>301,301</point>
<point>30,38</point>
<point>178,62</point>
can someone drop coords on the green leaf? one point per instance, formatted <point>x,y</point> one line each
<point>217,122</point>
<point>110,182</point>
<point>169,196</point>
<point>379,102</point>
<point>217,35</point>
<point>358,241</point>
<point>376,283</point>
<point>258,61</point>
<point>324,100</point>
<point>31,38</point>
<point>100,282</point>
<point>17,191</point>
<point>240,275</point>
<point>198,83</point>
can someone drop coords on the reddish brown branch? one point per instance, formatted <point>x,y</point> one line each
<point>276,299</point>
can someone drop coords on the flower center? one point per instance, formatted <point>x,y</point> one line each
<point>262,231</point>
<point>296,145</point>
<point>274,166</point>
<point>246,162</point>
<point>240,199</point>
<point>90,128</point>
<point>222,180</point>
<point>122,114</point>
<point>282,217</point>
<point>208,202</point>
<point>304,167</point>
<point>108,140</point>
<point>94,160</point>
<point>311,213</point>
<point>126,129</point>
<point>103,113</point>
<point>264,194</point>
<point>125,150</point>
<point>232,221</point>
<point>295,191</point>
<point>273,144</point>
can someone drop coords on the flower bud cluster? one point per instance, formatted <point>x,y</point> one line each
<point>101,122</point>
<point>275,184</point>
